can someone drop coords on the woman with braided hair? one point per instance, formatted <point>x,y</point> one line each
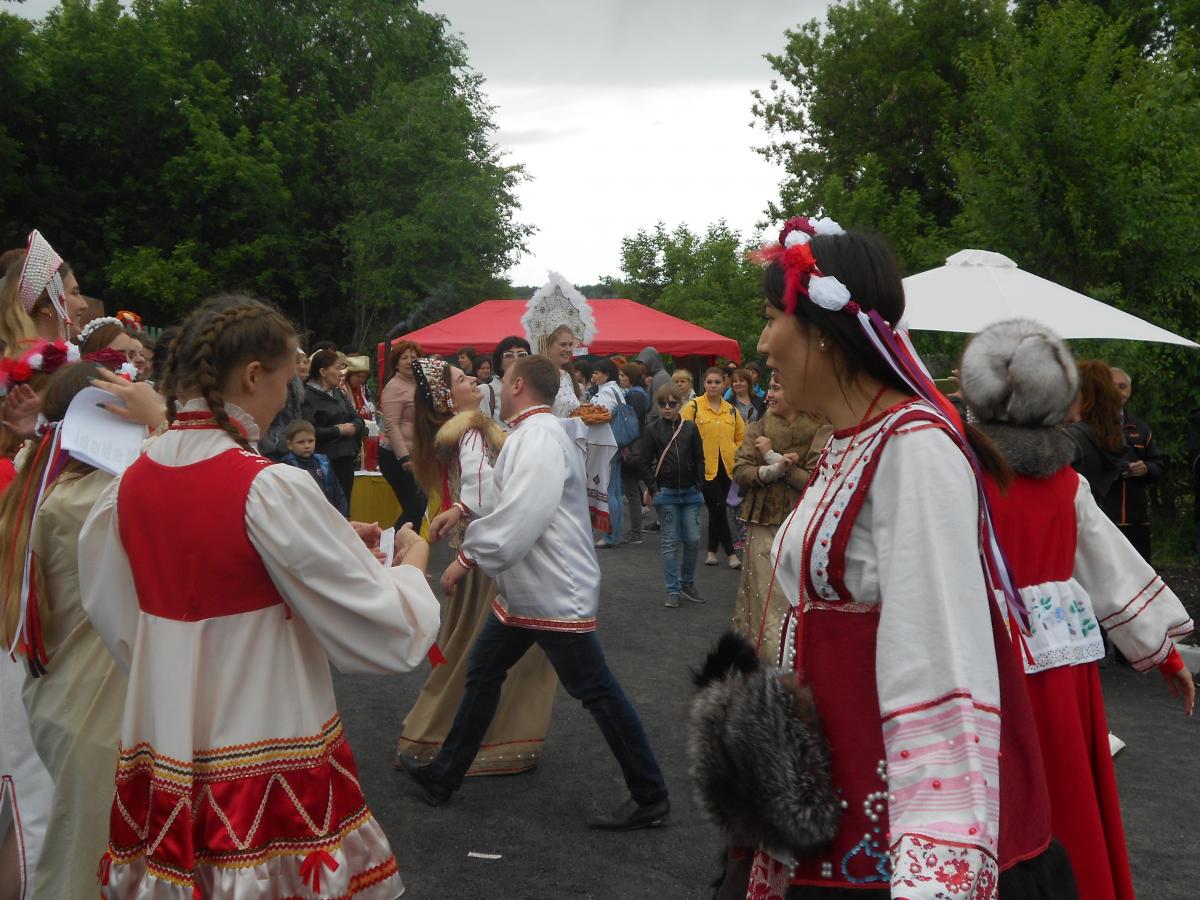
<point>227,606</point>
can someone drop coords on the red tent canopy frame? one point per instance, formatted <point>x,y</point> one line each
<point>622,326</point>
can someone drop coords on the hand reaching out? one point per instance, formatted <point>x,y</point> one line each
<point>443,522</point>
<point>411,548</point>
<point>21,409</point>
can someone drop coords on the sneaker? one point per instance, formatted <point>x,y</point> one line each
<point>672,601</point>
<point>711,559</point>
<point>734,562</point>
<point>602,543</point>
<point>634,540</point>
<point>689,591</point>
<point>653,526</point>
<point>433,791</point>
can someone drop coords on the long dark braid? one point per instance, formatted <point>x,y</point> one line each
<point>223,333</point>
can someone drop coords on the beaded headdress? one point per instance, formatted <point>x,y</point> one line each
<point>40,272</point>
<point>430,374</point>
<point>555,304</point>
<point>803,278</point>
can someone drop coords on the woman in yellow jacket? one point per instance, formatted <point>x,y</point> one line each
<point>721,430</point>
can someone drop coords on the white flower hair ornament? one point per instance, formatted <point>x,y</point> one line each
<point>128,371</point>
<point>97,323</point>
<point>828,293</point>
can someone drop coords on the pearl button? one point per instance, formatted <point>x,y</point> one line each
<point>904,754</point>
<point>937,785</point>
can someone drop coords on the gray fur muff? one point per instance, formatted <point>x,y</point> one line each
<point>758,758</point>
<point>1020,372</point>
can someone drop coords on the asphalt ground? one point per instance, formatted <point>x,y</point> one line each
<point>535,821</point>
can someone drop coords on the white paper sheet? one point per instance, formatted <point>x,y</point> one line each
<point>387,543</point>
<point>95,436</point>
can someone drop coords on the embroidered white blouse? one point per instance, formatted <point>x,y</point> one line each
<point>913,552</point>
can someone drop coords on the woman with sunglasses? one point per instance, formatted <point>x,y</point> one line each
<point>672,459</point>
<point>508,351</point>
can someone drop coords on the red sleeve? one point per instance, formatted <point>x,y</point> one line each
<point>8,472</point>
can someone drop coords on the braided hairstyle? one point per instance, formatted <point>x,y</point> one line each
<point>224,333</point>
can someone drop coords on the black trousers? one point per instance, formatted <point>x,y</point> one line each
<point>1139,536</point>
<point>404,486</point>
<point>343,471</point>
<point>715,493</point>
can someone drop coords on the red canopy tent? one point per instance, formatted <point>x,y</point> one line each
<point>622,326</point>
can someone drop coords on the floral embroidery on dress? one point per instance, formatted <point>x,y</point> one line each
<point>942,871</point>
<point>769,878</point>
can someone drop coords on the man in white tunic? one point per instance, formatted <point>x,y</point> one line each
<point>537,544</point>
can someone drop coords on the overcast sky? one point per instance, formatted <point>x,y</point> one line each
<point>623,112</point>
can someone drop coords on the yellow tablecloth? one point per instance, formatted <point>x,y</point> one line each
<point>372,500</point>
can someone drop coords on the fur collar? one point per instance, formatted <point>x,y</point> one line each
<point>1037,452</point>
<point>452,432</point>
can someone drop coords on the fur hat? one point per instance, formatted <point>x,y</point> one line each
<point>1019,372</point>
<point>758,759</point>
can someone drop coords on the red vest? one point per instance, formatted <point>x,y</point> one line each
<point>837,657</point>
<point>1035,524</point>
<point>165,512</point>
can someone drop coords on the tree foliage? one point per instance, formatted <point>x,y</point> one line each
<point>334,157</point>
<point>703,278</point>
<point>1063,133</point>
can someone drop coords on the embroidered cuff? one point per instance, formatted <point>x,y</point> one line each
<point>465,560</point>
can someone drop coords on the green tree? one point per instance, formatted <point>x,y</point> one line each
<point>334,157</point>
<point>860,114</point>
<point>703,278</point>
<point>1081,161</point>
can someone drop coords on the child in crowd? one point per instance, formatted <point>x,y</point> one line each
<point>302,453</point>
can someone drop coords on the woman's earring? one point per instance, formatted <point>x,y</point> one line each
<point>820,345</point>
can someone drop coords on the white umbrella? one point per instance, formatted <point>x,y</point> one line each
<point>977,288</point>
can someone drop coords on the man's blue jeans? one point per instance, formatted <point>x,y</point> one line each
<point>580,664</point>
<point>679,516</point>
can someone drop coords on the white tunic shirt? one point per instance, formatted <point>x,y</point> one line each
<point>537,540</point>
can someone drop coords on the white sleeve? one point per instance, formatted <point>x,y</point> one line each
<point>526,505</point>
<point>1138,611</point>
<point>476,489</point>
<point>607,397</point>
<point>368,617</point>
<point>106,588</point>
<point>939,690</point>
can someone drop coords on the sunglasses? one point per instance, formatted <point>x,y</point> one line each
<point>667,404</point>
<point>513,354</point>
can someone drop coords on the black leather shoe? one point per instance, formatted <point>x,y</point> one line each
<point>432,791</point>
<point>630,816</point>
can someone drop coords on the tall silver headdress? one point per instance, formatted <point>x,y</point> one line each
<point>554,304</point>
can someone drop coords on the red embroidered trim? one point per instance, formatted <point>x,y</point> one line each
<point>541,624</point>
<point>945,698</point>
<point>1143,590</point>
<point>532,411</point>
<point>203,420</point>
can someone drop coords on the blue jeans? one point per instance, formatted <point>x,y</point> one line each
<point>616,501</point>
<point>580,664</point>
<point>679,516</point>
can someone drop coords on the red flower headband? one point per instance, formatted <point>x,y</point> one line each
<point>801,275</point>
<point>43,356</point>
